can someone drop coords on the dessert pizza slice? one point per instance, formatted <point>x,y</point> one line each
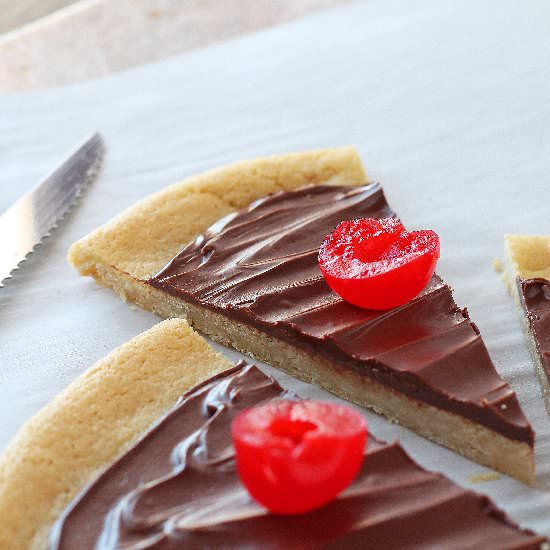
<point>528,278</point>
<point>234,251</point>
<point>89,470</point>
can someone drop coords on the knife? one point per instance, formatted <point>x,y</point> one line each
<point>24,224</point>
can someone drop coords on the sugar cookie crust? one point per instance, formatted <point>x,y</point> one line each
<point>92,422</point>
<point>141,240</point>
<point>528,256</point>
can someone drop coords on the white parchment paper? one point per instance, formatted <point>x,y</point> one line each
<point>448,103</point>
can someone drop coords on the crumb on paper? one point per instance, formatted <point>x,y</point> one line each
<point>497,265</point>
<point>133,307</point>
<point>484,477</point>
<point>155,14</point>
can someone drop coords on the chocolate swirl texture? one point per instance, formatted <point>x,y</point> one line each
<point>259,266</point>
<point>178,488</point>
<point>535,297</point>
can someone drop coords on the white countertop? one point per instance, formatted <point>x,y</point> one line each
<point>94,38</point>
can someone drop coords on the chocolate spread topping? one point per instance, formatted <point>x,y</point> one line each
<point>535,296</point>
<point>259,266</point>
<point>178,488</point>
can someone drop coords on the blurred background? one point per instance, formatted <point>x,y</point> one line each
<point>46,43</point>
<point>15,13</point>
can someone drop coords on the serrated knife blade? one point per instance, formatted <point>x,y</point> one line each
<point>24,224</point>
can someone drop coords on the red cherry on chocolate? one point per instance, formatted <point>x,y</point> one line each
<point>376,264</point>
<point>295,456</point>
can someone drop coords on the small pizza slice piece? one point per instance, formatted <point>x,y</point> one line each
<point>527,275</point>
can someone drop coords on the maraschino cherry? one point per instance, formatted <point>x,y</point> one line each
<point>295,456</point>
<point>376,264</point>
